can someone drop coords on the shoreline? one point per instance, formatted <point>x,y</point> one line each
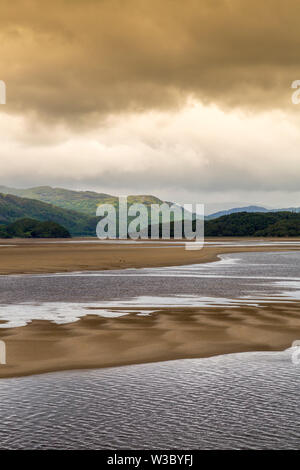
<point>33,257</point>
<point>168,334</point>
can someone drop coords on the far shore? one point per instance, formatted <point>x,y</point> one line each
<point>27,256</point>
<point>167,334</point>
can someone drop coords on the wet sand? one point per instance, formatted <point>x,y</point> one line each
<point>34,256</point>
<point>167,334</point>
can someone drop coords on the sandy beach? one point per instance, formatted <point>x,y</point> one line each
<point>27,256</point>
<point>169,333</point>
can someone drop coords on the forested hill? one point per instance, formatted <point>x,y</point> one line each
<point>242,224</point>
<point>30,228</point>
<point>13,208</point>
<point>245,224</point>
<point>85,202</point>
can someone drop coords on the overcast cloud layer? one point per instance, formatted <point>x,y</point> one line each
<point>183,99</point>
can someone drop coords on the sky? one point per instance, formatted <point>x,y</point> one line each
<point>187,100</point>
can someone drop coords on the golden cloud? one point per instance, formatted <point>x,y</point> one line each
<point>73,60</point>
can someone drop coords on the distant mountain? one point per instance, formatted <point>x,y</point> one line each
<point>286,209</point>
<point>85,202</point>
<point>234,210</point>
<point>13,208</point>
<point>258,224</point>
<point>250,209</point>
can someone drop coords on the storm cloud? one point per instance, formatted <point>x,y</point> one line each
<point>74,60</point>
<point>184,99</point>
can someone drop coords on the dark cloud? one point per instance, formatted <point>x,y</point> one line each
<point>76,59</point>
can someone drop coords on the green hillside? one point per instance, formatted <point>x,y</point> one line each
<point>31,228</point>
<point>242,224</point>
<point>245,224</point>
<point>79,201</point>
<point>13,208</point>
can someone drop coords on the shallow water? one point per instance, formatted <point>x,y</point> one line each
<point>237,401</point>
<point>237,279</point>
